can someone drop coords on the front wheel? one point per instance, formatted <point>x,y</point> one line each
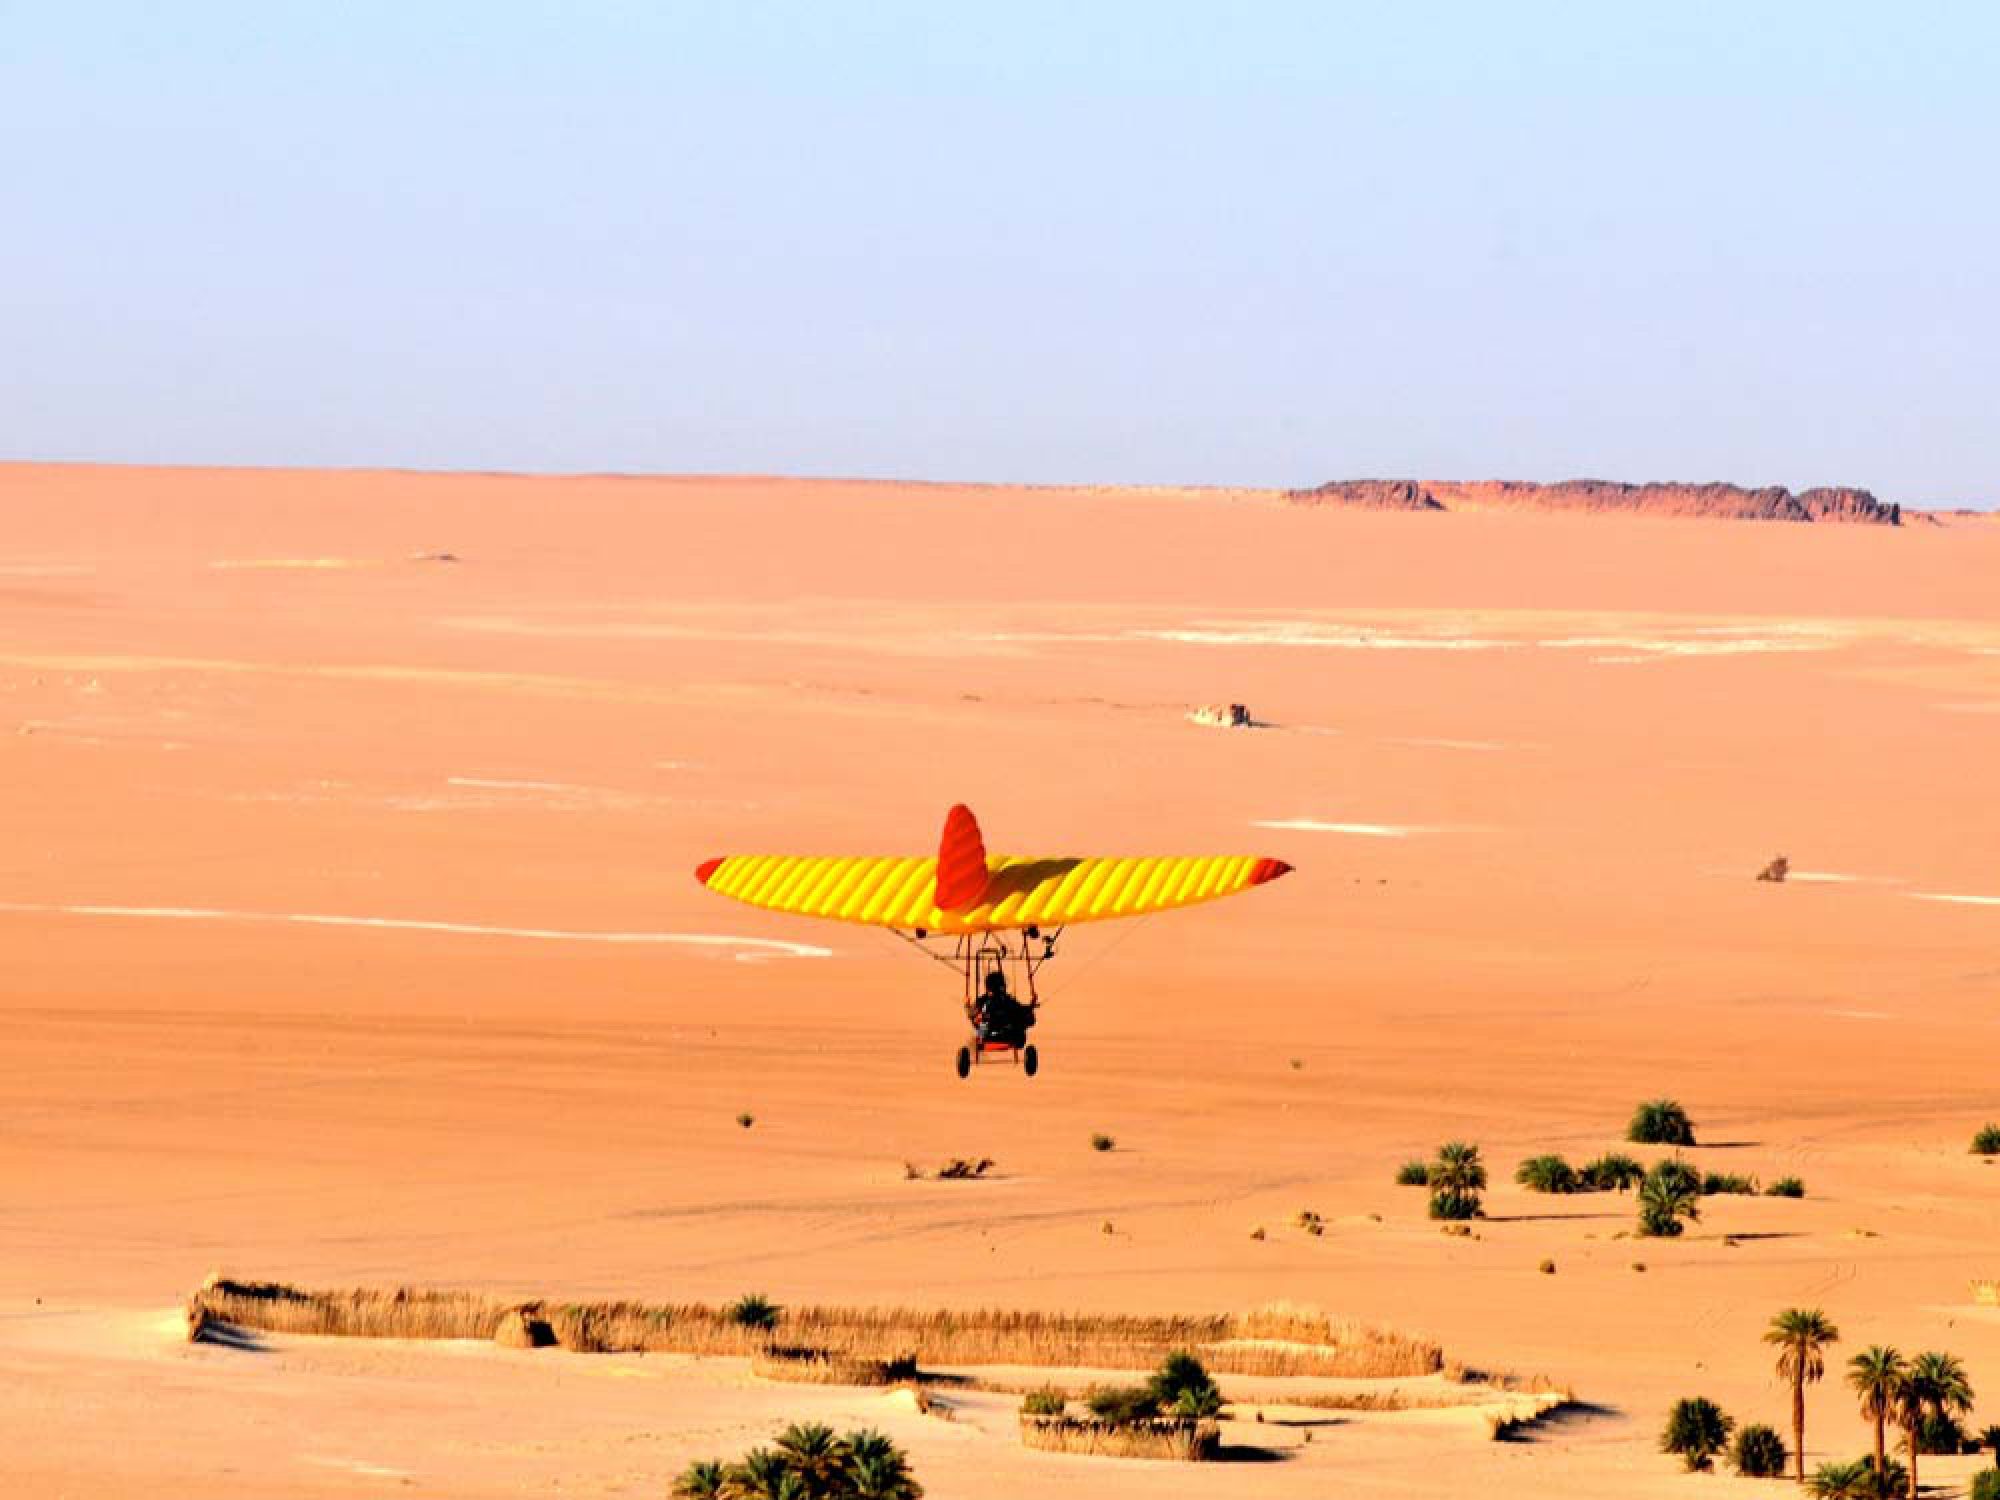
<point>964,1062</point>
<point>1030,1060</point>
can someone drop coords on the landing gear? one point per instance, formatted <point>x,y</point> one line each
<point>1000,1013</point>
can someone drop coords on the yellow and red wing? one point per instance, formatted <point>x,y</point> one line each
<point>886,891</point>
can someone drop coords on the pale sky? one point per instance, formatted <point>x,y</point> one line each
<point>1261,244</point>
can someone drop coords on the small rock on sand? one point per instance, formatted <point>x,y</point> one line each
<point>1223,716</point>
<point>1776,870</point>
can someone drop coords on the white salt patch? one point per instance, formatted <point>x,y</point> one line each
<point>1359,830</point>
<point>1336,637</point>
<point>1956,900</point>
<point>1436,744</point>
<point>500,784</point>
<point>747,950</point>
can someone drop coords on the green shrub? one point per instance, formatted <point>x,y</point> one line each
<point>754,1310</point>
<point>1121,1405</point>
<point>1047,1401</point>
<point>1987,1142</point>
<point>1613,1171</point>
<point>704,1479</point>
<point>1457,1177</point>
<point>1786,1187</point>
<point>1102,1142</point>
<point>1456,1206</point>
<point>1856,1480</point>
<point>1668,1195</point>
<point>1413,1174</point>
<point>806,1459</point>
<point>1941,1432</point>
<point>1660,1122</point>
<point>1672,1169</point>
<point>1759,1453</point>
<point>1697,1429</point>
<point>1546,1174</point>
<point>1986,1485</point>
<point>1727,1183</point>
<point>1182,1386</point>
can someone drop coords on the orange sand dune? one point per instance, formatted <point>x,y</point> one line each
<point>350,936</point>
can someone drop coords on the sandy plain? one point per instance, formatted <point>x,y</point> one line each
<point>350,938</point>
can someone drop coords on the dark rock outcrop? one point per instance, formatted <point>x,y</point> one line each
<point>1717,501</point>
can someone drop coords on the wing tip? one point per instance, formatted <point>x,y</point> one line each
<point>1267,870</point>
<point>705,871</point>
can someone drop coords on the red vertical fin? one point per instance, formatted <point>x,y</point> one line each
<point>961,867</point>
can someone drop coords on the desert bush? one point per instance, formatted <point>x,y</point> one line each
<point>1660,1122</point>
<point>1987,1141</point>
<point>1457,1177</point>
<point>1122,1405</point>
<point>1413,1174</point>
<point>1310,1222</point>
<point>960,1167</point>
<point>704,1479</point>
<point>806,1461</point>
<point>1045,1401</point>
<point>1546,1174</point>
<point>1986,1485</point>
<point>1181,1387</point>
<point>1547,1268</point>
<point>1850,1480</point>
<point>753,1310</point>
<point>1670,1193</point>
<point>1697,1429</point>
<point>1612,1171</point>
<point>1990,1439</point>
<point>1786,1187</point>
<point>1102,1142</point>
<point>1456,1206</point>
<point>1941,1432</point>
<point>1759,1453</point>
<point>1727,1183</point>
<point>746,1119</point>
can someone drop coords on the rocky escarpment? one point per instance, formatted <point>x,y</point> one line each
<point>1719,501</point>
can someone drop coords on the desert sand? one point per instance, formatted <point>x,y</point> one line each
<point>351,938</point>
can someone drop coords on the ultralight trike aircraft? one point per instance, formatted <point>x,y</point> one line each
<point>986,916</point>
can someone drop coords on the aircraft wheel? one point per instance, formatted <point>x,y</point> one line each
<point>1030,1060</point>
<point>964,1061</point>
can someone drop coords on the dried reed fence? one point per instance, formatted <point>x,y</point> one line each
<point>1180,1438</point>
<point>1275,1341</point>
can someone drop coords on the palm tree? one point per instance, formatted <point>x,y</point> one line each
<point>811,1451</point>
<point>1800,1335</point>
<point>1457,1178</point>
<point>1697,1429</point>
<point>877,1470</point>
<point>1665,1198</point>
<point>1876,1376</point>
<point>1935,1385</point>
<point>1844,1481</point>
<point>703,1479</point>
<point>765,1475</point>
